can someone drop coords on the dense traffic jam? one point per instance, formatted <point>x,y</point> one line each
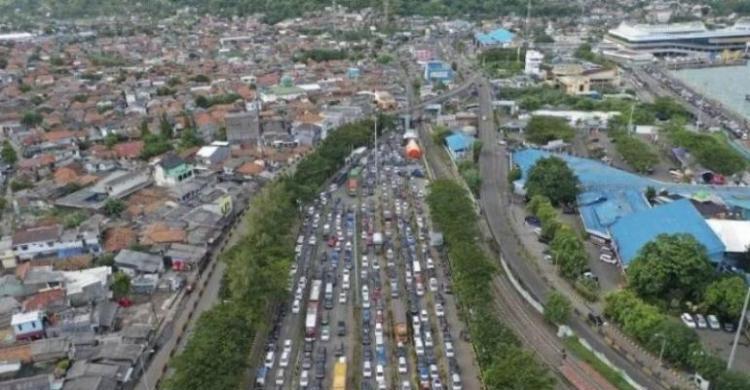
<point>368,303</point>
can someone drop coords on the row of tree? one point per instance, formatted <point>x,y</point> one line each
<point>638,154</point>
<point>543,129</point>
<point>679,344</point>
<point>258,265</point>
<point>673,273</point>
<point>710,151</point>
<point>567,248</point>
<point>504,364</point>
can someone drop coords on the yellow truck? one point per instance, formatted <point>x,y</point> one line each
<point>339,375</point>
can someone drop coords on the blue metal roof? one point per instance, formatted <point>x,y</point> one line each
<point>597,176</point>
<point>459,142</point>
<point>494,37</point>
<point>601,209</point>
<point>632,232</point>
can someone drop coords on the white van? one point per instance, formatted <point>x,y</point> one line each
<point>456,381</point>
<point>418,346</point>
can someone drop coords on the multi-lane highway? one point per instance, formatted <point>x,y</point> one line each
<point>368,290</point>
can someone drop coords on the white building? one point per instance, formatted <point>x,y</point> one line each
<point>680,38</point>
<point>533,63</point>
<point>53,241</point>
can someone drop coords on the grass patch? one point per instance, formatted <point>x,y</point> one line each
<point>612,376</point>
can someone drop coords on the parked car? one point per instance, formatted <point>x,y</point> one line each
<point>688,320</point>
<point>701,321</point>
<point>713,322</point>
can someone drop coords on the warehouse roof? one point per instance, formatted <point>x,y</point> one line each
<point>632,232</point>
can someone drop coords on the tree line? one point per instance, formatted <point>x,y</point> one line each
<point>258,265</point>
<point>503,362</point>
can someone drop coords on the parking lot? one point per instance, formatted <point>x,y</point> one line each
<point>370,304</point>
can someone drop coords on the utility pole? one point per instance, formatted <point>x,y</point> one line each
<point>739,329</point>
<point>525,32</point>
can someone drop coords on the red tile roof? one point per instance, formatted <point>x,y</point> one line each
<point>44,298</point>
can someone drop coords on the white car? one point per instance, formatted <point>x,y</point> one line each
<point>269,359</point>
<point>367,369</point>
<point>379,373</point>
<point>449,352</point>
<point>325,333</point>
<point>284,361</point>
<point>405,385</point>
<point>288,345</point>
<point>433,285</point>
<point>402,369</point>
<point>701,321</point>
<point>607,259</point>
<point>295,306</point>
<point>688,320</point>
<point>280,377</point>
<point>304,379</point>
<point>713,322</point>
<point>420,290</point>
<point>428,339</point>
<point>342,297</point>
<point>439,310</point>
<point>365,262</point>
<point>423,317</point>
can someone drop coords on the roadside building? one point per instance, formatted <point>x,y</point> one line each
<point>499,37</point>
<point>171,170</point>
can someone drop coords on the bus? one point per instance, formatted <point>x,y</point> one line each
<point>311,316</point>
<point>339,375</point>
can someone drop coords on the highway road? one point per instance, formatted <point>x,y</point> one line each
<point>493,200</point>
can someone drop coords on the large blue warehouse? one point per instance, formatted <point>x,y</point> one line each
<point>631,232</point>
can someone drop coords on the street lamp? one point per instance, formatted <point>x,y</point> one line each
<point>739,329</point>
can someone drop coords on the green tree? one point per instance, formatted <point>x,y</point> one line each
<point>221,134</point>
<point>476,150</point>
<point>32,119</point>
<point>113,207</point>
<point>201,78</point>
<point>543,129</point>
<point>216,353</point>
<point>517,371</point>
<point>557,309</point>
<point>120,285</point>
<point>726,296</point>
<point>189,138</point>
<point>145,132</point>
<point>552,178</point>
<point>669,269</point>
<point>8,154</point>
<point>202,102</point>
<point>110,140</point>
<point>166,130</point>
<point>514,174</point>
<point>568,252</point>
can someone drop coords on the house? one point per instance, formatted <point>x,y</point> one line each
<point>47,300</point>
<point>308,134</point>
<point>8,307</point>
<point>243,128</point>
<point>496,38</point>
<point>53,241</point>
<point>117,184</point>
<point>7,255</point>
<point>133,262</point>
<point>88,285</point>
<point>438,71</point>
<point>171,170</point>
<point>213,154</point>
<point>185,257</point>
<point>28,326</point>
<point>459,145</point>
